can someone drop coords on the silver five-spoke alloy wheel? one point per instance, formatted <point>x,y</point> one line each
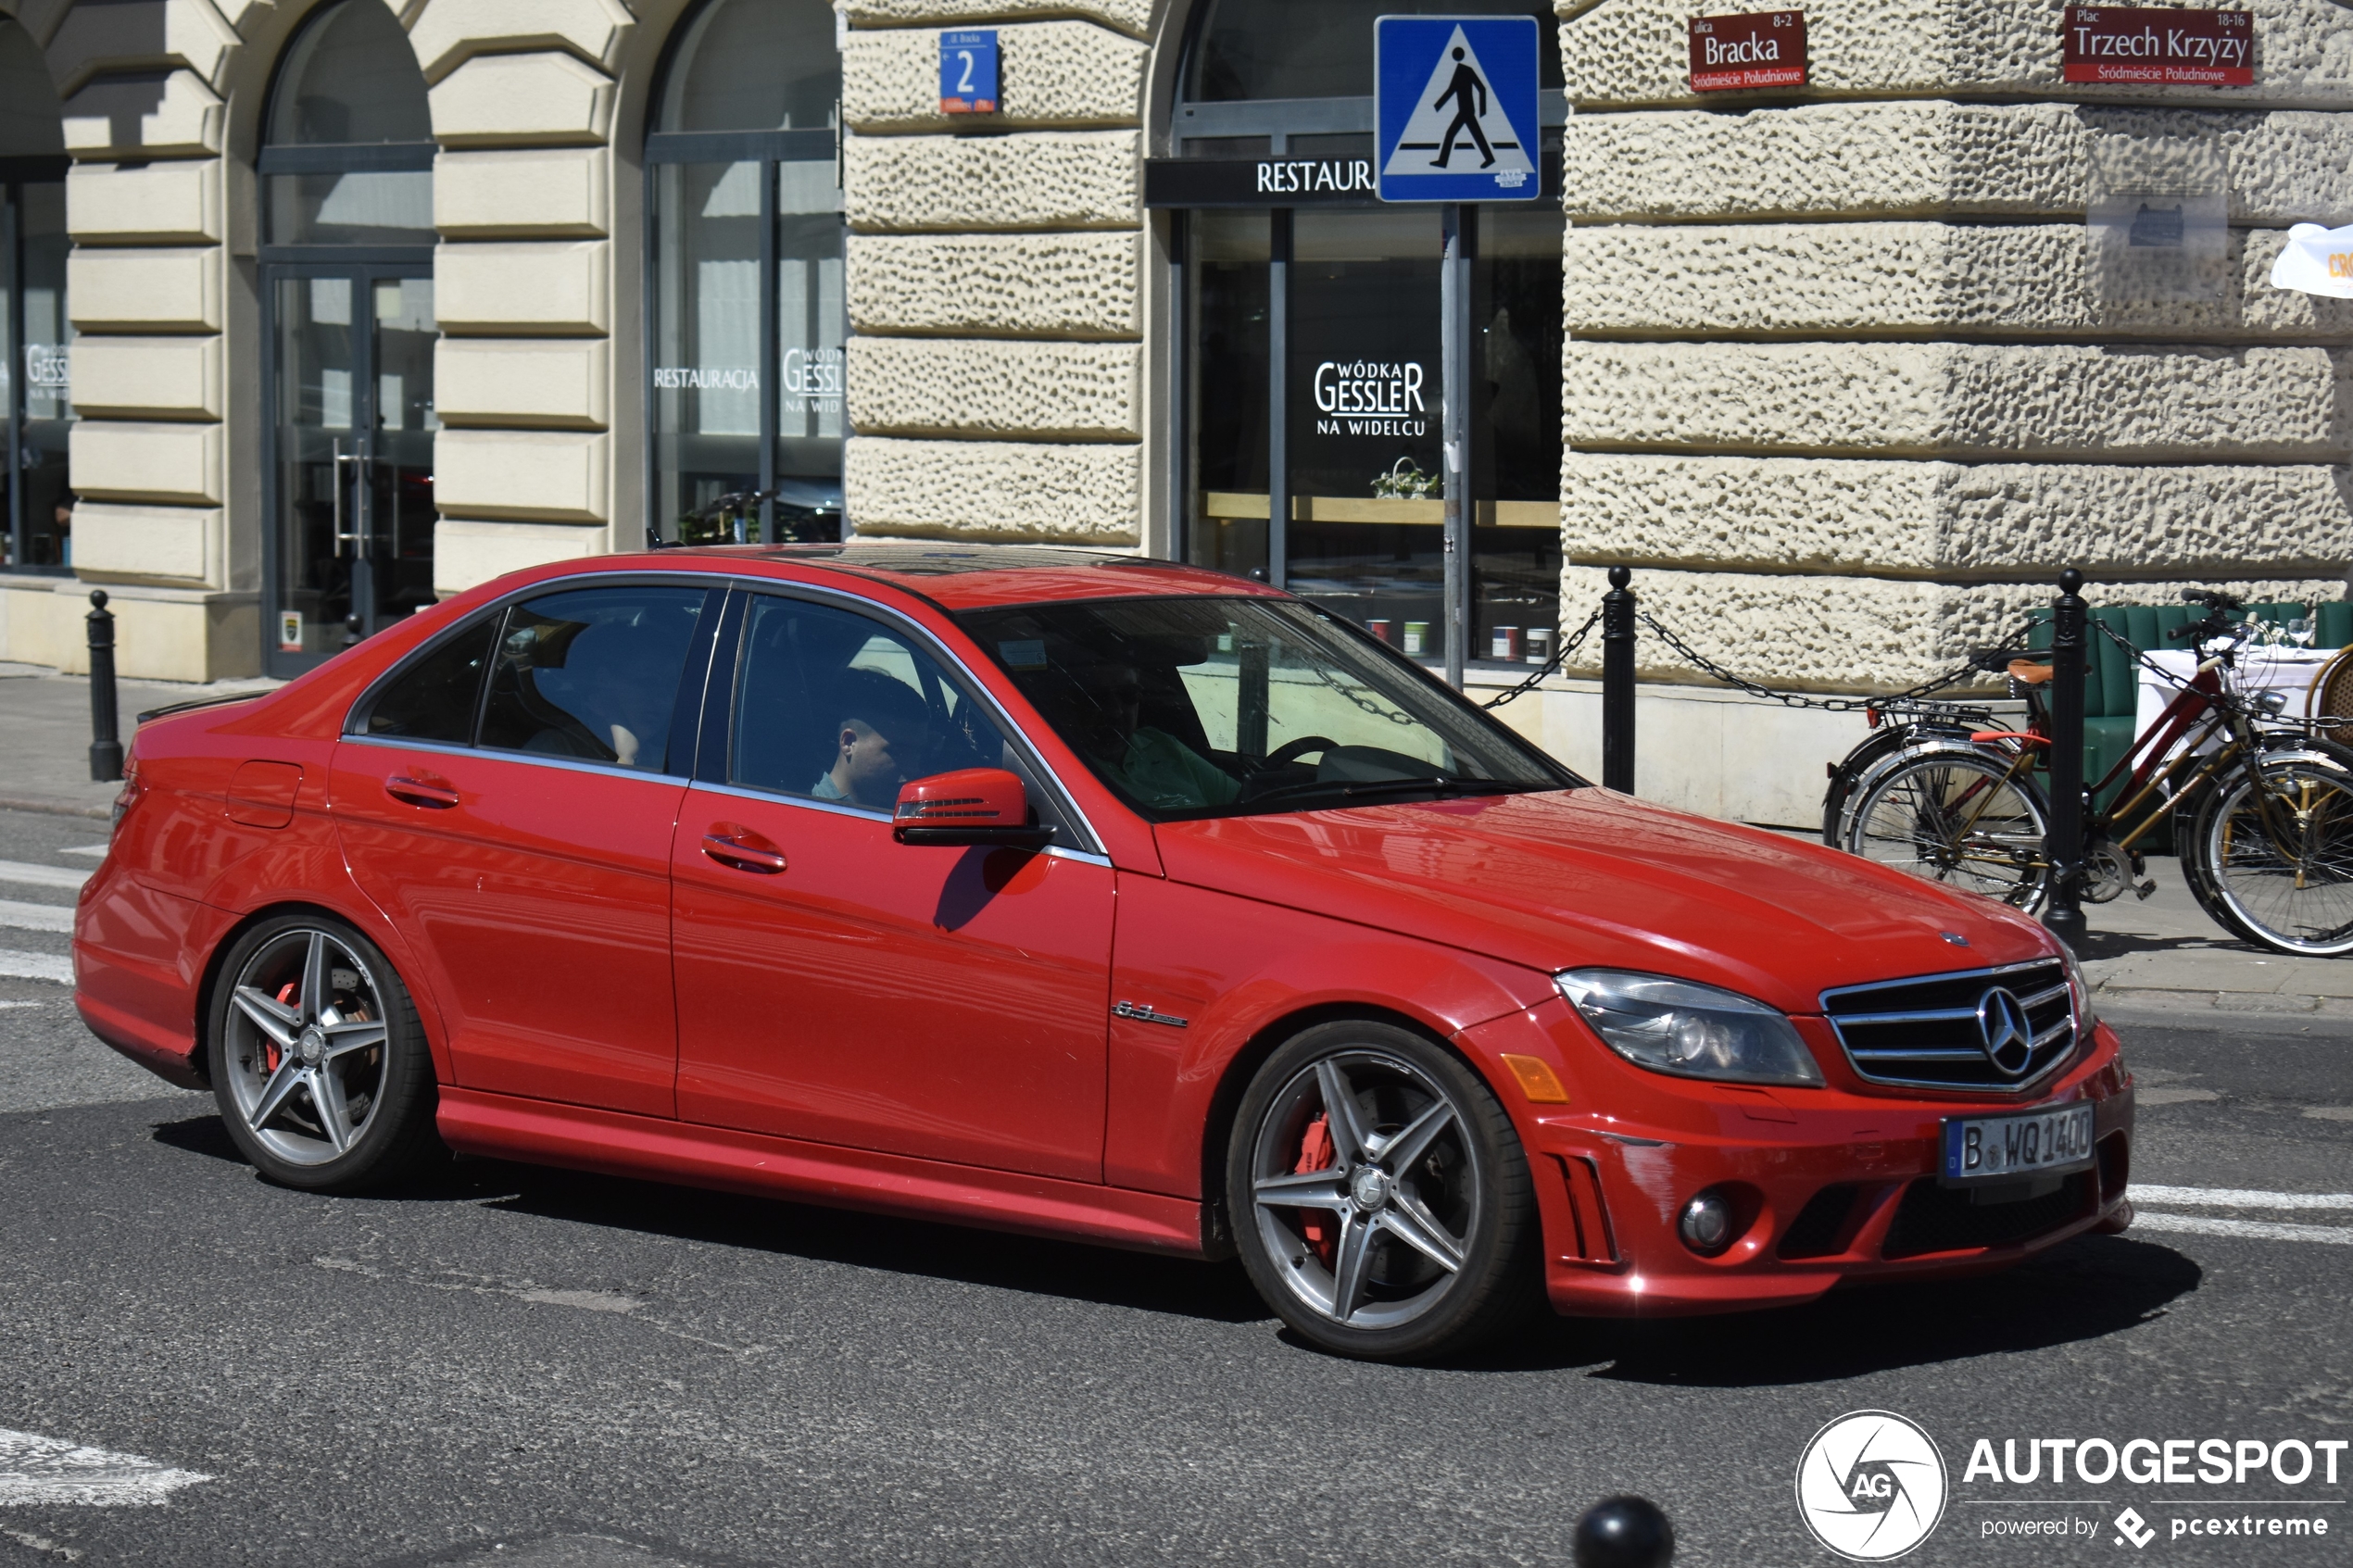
<point>307,1046</point>
<point>1366,1190</point>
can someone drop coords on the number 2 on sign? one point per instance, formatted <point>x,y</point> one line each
<point>964,83</point>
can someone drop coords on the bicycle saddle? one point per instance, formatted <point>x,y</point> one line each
<point>2026,673</point>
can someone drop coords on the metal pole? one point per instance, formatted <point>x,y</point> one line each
<point>1454,387</point>
<point>1277,395</point>
<point>105,743</point>
<point>2064,846</point>
<point>1617,683</point>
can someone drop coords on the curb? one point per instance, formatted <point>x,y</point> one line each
<point>56,808</point>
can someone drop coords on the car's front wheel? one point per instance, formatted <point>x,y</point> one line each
<point>1381,1199</point>
<point>318,1062</point>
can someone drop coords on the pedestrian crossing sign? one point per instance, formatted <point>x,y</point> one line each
<point>1454,109</point>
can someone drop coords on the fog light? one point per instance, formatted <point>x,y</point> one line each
<point>1706,1224</point>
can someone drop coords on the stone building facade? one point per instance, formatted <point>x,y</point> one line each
<point>1845,372</point>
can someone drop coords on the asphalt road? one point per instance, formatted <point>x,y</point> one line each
<point>530,1367</point>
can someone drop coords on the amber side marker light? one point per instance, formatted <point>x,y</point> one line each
<point>1537,1079</point>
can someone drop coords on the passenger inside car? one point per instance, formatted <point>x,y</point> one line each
<point>881,740</point>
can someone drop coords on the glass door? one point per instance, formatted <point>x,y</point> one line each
<point>351,476</point>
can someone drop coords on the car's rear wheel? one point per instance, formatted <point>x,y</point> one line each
<point>1381,1199</point>
<point>318,1062</point>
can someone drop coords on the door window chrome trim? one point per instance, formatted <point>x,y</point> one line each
<point>530,758</point>
<point>925,638</point>
<point>860,813</point>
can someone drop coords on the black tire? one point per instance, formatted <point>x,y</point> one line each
<point>1956,814</point>
<point>2300,903</point>
<point>1459,1187</point>
<point>1849,774</point>
<point>317,1063</point>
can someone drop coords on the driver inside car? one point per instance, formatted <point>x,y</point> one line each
<point>880,743</point>
<point>1150,764</point>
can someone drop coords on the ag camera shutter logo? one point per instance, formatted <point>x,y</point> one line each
<point>1871,1486</point>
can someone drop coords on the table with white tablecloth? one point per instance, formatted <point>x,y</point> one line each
<point>2288,670</point>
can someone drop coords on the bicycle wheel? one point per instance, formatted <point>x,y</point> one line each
<point>2283,876</point>
<point>1955,815</point>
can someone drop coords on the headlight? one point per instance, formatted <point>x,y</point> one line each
<point>1691,1031</point>
<point>2082,987</point>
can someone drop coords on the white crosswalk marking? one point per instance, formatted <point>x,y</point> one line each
<point>31,876</point>
<point>2261,1230</point>
<point>34,1469</point>
<point>36,966</point>
<point>97,851</point>
<point>2240,1198</point>
<point>35,917</point>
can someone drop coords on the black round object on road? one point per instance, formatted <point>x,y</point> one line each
<point>1625,1533</point>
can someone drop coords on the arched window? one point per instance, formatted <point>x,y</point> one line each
<point>744,314</point>
<point>36,337</point>
<point>349,327</point>
<point>1283,296</point>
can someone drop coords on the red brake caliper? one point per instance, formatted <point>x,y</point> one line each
<point>1320,1229</point>
<point>270,1048</point>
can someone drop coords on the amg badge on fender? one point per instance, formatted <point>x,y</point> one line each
<point>1144,1014</point>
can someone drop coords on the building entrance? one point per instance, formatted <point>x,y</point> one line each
<point>352,386</point>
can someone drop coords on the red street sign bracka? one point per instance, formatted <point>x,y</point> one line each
<point>2160,47</point>
<point>1762,49</point>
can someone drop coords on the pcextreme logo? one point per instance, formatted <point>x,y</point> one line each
<point>1871,1486</point>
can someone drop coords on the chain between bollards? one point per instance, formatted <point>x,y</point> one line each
<point>1617,683</point>
<point>105,741</point>
<point>2063,846</point>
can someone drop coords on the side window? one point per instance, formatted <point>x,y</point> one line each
<point>592,673</point>
<point>435,698</point>
<point>832,705</point>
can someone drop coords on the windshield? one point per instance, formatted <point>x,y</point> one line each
<point>1211,707</point>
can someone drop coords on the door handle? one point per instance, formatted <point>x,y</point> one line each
<point>742,849</point>
<point>416,791</point>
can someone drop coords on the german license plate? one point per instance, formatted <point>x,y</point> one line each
<point>2037,1143</point>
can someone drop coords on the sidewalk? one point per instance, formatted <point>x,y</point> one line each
<point>44,764</point>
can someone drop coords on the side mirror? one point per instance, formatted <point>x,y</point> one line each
<point>972,806</point>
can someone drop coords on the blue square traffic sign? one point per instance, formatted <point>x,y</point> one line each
<point>968,72</point>
<point>1454,109</point>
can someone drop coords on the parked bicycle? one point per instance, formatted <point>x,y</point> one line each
<point>2261,804</point>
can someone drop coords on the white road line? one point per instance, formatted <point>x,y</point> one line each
<point>97,851</point>
<point>2260,1230</point>
<point>2239,1197</point>
<point>36,966</point>
<point>49,1470</point>
<point>36,917</point>
<point>41,876</point>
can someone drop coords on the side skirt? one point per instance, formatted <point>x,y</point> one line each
<point>618,1144</point>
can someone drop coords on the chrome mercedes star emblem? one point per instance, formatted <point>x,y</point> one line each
<point>312,1045</point>
<point>2009,1038</point>
<point>1369,1187</point>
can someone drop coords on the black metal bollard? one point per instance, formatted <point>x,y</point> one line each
<point>2064,845</point>
<point>1617,683</point>
<point>1625,1532</point>
<point>105,741</point>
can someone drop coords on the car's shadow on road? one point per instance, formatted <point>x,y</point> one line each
<point>1219,1292</point>
<point>2086,1289</point>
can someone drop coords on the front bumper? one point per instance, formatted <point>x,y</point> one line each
<point>1830,1185</point>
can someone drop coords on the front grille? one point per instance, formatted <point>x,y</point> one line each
<point>1937,1219</point>
<point>1930,1033</point>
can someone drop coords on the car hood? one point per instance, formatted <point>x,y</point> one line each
<point>1583,877</point>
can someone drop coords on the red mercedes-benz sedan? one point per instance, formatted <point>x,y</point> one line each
<point>1087,896</point>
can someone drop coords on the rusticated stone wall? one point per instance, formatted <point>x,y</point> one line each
<point>1840,384</point>
<point>995,378</point>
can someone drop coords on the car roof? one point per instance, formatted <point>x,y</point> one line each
<point>958,577</point>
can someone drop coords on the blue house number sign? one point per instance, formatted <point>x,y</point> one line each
<point>968,72</point>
